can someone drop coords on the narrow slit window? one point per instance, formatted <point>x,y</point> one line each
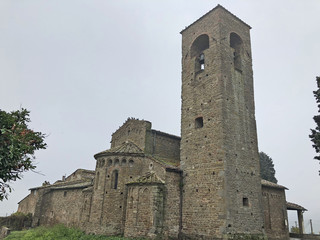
<point>199,122</point>
<point>245,202</point>
<point>115,176</point>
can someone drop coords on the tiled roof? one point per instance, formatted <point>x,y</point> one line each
<point>126,148</point>
<point>150,177</point>
<point>293,206</point>
<point>218,6</point>
<point>66,184</point>
<point>271,184</point>
<point>72,185</point>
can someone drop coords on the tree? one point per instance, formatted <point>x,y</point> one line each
<point>267,170</point>
<point>315,133</point>
<point>17,146</point>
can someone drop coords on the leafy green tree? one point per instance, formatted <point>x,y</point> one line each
<point>267,170</point>
<point>17,146</point>
<point>315,133</point>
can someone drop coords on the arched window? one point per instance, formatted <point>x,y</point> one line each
<point>123,162</point>
<point>131,162</point>
<point>198,46</point>
<point>114,182</point>
<point>109,162</point>
<point>236,44</point>
<point>116,162</point>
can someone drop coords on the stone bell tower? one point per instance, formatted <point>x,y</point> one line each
<point>219,153</point>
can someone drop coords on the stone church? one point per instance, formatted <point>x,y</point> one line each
<point>203,185</point>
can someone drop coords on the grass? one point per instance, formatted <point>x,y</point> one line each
<point>59,232</point>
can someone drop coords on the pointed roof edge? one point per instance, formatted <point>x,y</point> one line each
<point>218,6</point>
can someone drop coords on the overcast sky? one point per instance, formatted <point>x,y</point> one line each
<point>82,67</point>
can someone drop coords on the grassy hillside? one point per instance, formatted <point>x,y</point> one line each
<point>58,232</point>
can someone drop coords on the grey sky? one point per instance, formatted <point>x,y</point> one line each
<point>82,67</point>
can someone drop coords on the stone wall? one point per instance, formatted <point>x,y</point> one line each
<point>144,213</point>
<point>132,130</point>
<point>62,206</point>
<point>173,201</point>
<point>28,204</point>
<point>275,213</point>
<point>163,146</point>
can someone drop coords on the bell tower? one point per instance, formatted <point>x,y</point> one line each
<point>219,152</point>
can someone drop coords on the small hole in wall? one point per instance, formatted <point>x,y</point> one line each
<point>229,225</point>
<point>197,190</point>
<point>251,214</point>
<point>213,173</point>
<point>236,155</point>
<point>130,177</point>
<point>108,176</point>
<point>199,122</point>
<point>121,193</point>
<point>106,192</point>
<point>245,202</point>
<point>205,136</point>
<point>209,154</point>
<point>207,75</point>
<point>209,190</point>
<point>120,207</point>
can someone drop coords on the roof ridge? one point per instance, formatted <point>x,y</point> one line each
<point>218,6</point>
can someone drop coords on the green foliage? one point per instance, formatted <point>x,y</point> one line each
<point>267,170</point>
<point>315,133</point>
<point>17,146</point>
<point>17,221</point>
<point>294,229</point>
<point>57,232</point>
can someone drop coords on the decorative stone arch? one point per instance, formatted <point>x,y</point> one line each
<point>109,163</point>
<point>131,163</point>
<point>123,162</point>
<point>236,44</point>
<point>116,162</point>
